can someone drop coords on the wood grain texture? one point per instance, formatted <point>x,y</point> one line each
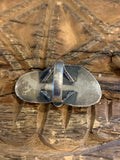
<point>33,35</point>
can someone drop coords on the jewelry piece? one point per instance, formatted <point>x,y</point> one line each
<point>60,84</point>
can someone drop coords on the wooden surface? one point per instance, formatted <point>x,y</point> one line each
<point>33,35</point>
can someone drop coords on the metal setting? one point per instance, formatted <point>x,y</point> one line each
<point>60,84</point>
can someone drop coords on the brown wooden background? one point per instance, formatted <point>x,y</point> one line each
<point>36,33</point>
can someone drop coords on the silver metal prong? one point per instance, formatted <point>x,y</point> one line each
<point>48,75</point>
<point>45,94</point>
<point>68,95</point>
<point>68,75</point>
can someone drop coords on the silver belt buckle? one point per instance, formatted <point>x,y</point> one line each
<point>61,84</point>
